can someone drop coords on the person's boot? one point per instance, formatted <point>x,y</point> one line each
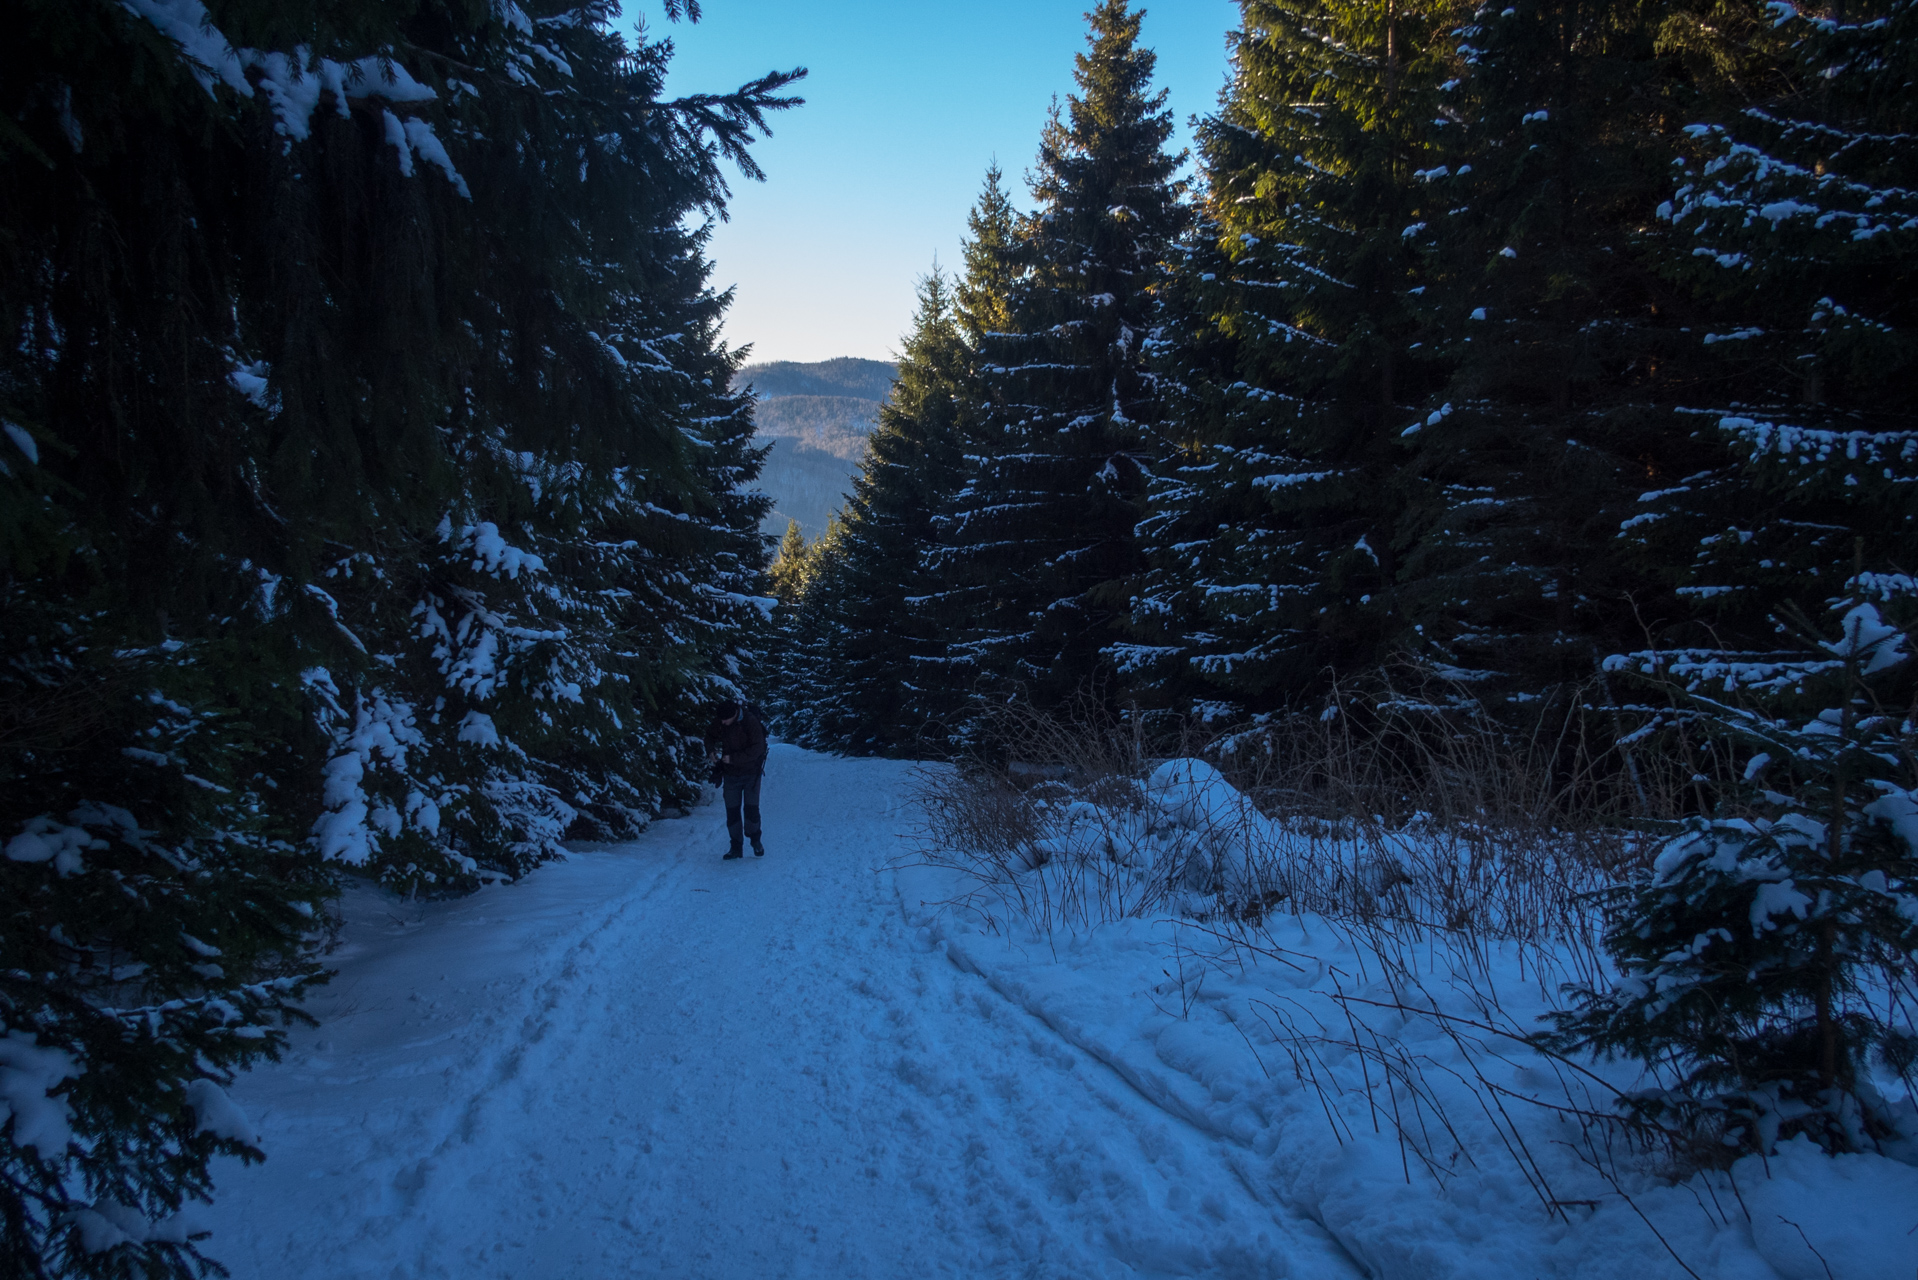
<point>759,850</point>
<point>732,853</point>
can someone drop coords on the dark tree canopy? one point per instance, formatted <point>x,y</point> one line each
<point>371,498</point>
<point>1038,543</point>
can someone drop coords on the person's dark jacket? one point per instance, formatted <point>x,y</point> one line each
<point>743,742</point>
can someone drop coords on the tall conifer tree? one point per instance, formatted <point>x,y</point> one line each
<point>982,298</point>
<point>803,694</point>
<point>869,700</point>
<point>1041,537</point>
<point>1274,528</point>
<point>365,500</point>
<point>945,676</point>
<point>788,571</point>
<point>1565,342</point>
<point>1794,224</point>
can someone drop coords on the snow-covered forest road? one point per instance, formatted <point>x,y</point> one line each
<point>649,1062</point>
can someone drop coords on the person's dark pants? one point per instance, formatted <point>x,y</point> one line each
<point>741,793</point>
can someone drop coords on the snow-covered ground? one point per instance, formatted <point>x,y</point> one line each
<point>647,1062</point>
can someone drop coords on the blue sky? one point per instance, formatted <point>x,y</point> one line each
<point>906,104</point>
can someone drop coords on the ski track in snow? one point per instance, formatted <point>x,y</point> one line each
<point>649,1062</point>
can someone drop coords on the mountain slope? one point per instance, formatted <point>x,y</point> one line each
<point>818,416</point>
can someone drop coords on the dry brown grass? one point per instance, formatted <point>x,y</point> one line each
<point>1407,810</point>
<point>1439,836</point>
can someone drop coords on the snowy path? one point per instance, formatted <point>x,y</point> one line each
<point>647,1062</point>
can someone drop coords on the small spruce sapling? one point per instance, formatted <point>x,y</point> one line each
<point>1774,947</point>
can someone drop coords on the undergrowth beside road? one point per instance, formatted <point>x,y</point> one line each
<point>1414,884</point>
<point>1402,814</point>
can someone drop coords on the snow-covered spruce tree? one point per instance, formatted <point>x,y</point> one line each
<point>866,702</point>
<point>1040,540</point>
<point>791,674</point>
<point>158,915</point>
<point>1795,227</point>
<point>348,457</point>
<point>789,568</point>
<point>584,571</point>
<point>1273,527</point>
<point>1774,946</point>
<point>779,690</point>
<point>1565,343</point>
<point>1188,499</point>
<point>945,674</point>
<point>682,571</point>
<point>982,297</point>
<point>1759,959</point>
<point>804,697</point>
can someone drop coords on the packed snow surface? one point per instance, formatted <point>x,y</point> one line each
<point>649,1062</point>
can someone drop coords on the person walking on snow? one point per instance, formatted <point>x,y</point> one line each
<point>738,739</point>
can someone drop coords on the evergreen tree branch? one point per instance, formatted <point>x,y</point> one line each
<point>733,119</point>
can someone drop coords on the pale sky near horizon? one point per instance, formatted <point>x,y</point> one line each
<point>906,104</point>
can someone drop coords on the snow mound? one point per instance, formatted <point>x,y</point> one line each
<point>28,1074</point>
<point>1196,795</point>
<point>219,1115</point>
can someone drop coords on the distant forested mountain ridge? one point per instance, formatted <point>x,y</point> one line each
<point>818,417</point>
<point>842,376</point>
<point>831,424</point>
